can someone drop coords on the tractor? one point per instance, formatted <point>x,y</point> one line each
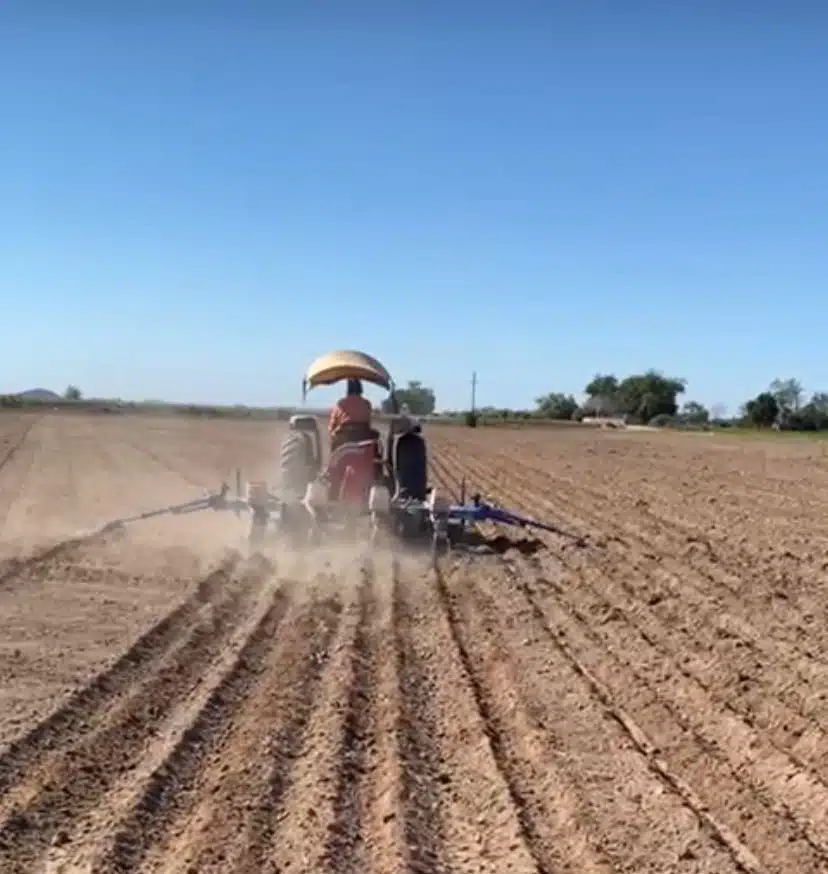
<point>368,481</point>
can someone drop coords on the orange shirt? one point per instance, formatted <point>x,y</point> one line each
<point>351,408</point>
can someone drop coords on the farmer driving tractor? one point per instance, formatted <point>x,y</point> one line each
<point>350,413</point>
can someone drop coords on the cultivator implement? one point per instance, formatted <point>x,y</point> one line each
<point>298,522</point>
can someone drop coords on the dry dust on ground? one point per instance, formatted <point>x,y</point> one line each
<point>653,700</point>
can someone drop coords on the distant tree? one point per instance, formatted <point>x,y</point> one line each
<point>762,411</point>
<point>72,393</point>
<point>420,400</point>
<point>602,385</point>
<point>600,405</point>
<point>788,394</point>
<point>813,416</point>
<point>694,413</point>
<point>556,405</point>
<point>649,394</point>
<point>819,401</point>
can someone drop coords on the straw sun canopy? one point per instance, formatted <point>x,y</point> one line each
<point>347,364</point>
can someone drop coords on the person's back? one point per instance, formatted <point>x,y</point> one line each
<point>353,409</point>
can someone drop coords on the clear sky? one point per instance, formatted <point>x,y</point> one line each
<point>197,199</point>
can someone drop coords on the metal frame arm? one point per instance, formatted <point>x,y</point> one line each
<point>217,501</point>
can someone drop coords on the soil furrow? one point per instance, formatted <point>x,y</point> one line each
<point>310,792</point>
<point>233,797</point>
<point>417,742</point>
<point>766,659</point>
<point>713,749</point>
<point>651,703</point>
<point>383,844</point>
<point>48,799</point>
<point>59,731</point>
<point>740,853</point>
<point>37,565</point>
<point>286,743</point>
<point>168,788</point>
<point>459,815</point>
<point>549,812</point>
<point>683,654</point>
<point>344,847</point>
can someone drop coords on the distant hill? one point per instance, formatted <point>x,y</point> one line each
<point>39,394</point>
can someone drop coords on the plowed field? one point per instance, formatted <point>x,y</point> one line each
<point>652,699</point>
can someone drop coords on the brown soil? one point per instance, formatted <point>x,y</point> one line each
<point>654,699</point>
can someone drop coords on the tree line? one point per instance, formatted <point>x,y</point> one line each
<point>653,398</point>
<point>647,398</point>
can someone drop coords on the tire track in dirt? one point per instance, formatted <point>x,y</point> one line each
<point>350,752</point>
<point>328,800</point>
<point>59,787</point>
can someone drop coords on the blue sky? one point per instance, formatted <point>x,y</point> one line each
<point>197,199</point>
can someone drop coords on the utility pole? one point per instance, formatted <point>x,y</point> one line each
<point>474,391</point>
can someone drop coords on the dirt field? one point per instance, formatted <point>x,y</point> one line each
<point>655,701</point>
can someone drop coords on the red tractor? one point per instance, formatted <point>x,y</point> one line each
<point>364,474</point>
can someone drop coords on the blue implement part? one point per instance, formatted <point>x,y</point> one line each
<point>482,512</point>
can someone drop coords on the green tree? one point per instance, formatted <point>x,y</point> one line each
<point>695,413</point>
<point>813,416</point>
<point>788,394</point>
<point>762,410</point>
<point>819,401</point>
<point>649,394</point>
<point>600,405</point>
<point>72,393</point>
<point>556,405</point>
<point>602,385</point>
<point>420,400</point>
